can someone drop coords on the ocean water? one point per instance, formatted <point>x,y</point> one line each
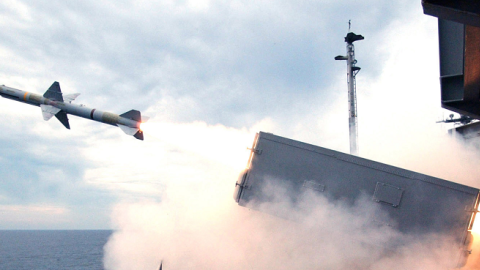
<point>52,250</point>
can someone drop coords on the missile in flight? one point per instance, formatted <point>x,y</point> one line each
<point>54,103</point>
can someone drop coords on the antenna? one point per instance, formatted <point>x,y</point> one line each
<point>352,71</point>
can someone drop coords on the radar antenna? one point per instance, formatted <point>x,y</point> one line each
<point>463,120</point>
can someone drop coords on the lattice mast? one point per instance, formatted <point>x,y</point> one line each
<point>352,71</point>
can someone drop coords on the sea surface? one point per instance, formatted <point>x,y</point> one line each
<point>52,250</point>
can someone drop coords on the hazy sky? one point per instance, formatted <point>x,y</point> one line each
<point>210,74</point>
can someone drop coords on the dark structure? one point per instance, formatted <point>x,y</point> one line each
<point>461,11</point>
<point>460,67</point>
<point>459,42</point>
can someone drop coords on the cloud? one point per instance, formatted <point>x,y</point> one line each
<point>17,216</point>
<point>248,60</point>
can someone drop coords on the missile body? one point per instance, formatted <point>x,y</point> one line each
<point>54,103</point>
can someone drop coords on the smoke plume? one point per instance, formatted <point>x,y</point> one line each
<point>197,225</point>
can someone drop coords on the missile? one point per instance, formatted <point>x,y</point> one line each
<point>54,103</point>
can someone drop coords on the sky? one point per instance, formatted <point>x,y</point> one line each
<point>236,67</point>
<point>210,74</point>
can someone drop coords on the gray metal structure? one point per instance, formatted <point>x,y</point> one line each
<point>461,11</point>
<point>459,68</point>
<point>459,39</point>
<point>54,103</point>
<point>352,71</point>
<point>416,204</point>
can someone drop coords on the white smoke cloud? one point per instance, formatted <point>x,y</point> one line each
<point>197,225</point>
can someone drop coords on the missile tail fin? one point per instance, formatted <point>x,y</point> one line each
<point>136,116</point>
<point>135,132</point>
<point>132,114</point>
<point>128,130</point>
<point>139,135</point>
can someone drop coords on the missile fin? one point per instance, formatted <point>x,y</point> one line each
<point>48,111</point>
<point>62,117</point>
<point>139,135</point>
<point>54,92</point>
<point>70,97</point>
<point>132,114</point>
<point>128,130</point>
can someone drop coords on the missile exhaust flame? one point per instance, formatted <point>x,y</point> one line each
<point>475,227</point>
